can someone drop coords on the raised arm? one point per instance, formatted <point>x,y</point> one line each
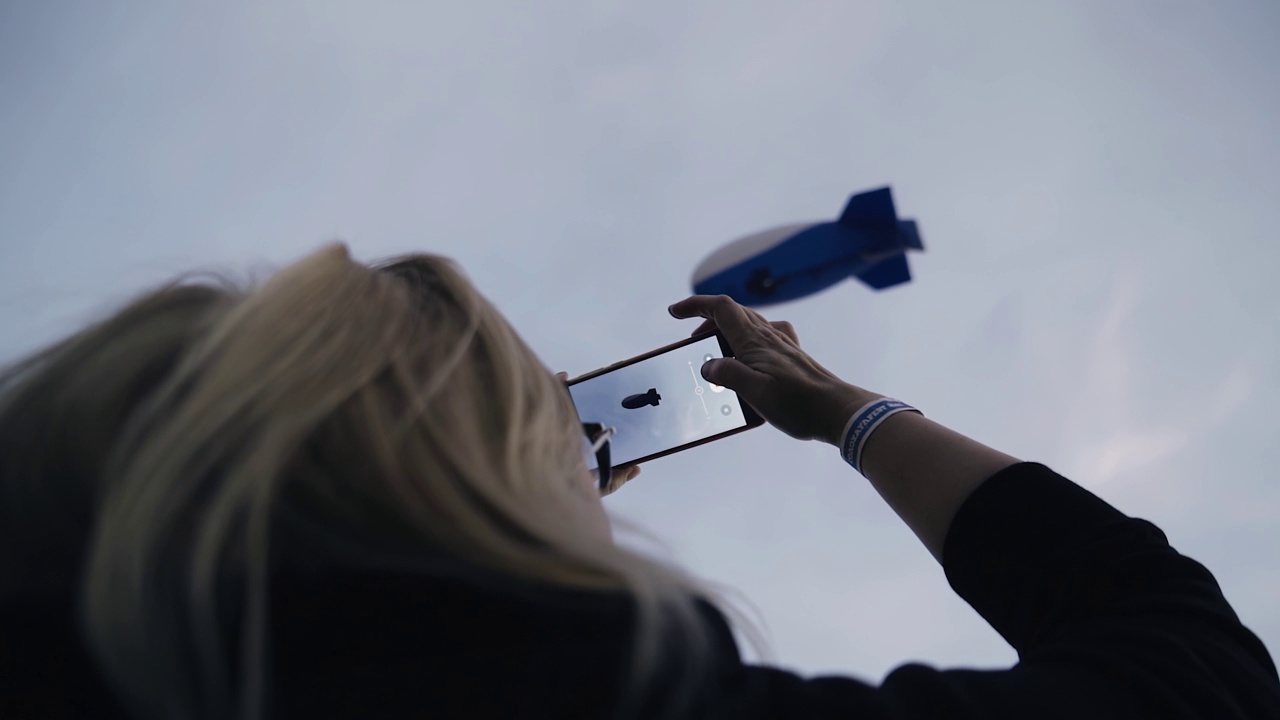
<point>922,469</point>
<point>925,472</point>
<point>1107,618</point>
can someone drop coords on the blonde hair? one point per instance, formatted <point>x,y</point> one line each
<point>390,416</point>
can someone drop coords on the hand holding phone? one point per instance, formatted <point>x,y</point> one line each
<point>787,386</point>
<point>660,403</point>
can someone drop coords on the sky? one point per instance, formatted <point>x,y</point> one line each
<point>1095,183</point>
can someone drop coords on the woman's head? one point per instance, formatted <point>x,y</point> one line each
<point>166,461</point>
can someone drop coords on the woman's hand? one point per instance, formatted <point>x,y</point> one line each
<point>621,475</point>
<point>923,470</point>
<point>771,373</point>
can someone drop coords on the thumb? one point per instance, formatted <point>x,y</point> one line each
<point>729,372</point>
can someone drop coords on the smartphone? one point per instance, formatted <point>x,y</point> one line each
<point>660,403</point>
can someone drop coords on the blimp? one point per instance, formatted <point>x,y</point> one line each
<point>635,402</point>
<point>867,242</point>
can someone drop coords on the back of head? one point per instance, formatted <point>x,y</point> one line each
<point>160,465</point>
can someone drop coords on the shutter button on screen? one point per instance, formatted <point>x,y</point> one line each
<point>714,387</point>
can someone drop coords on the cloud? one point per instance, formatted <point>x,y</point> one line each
<point>1129,450</point>
<point>1235,389</point>
<point>1109,438</point>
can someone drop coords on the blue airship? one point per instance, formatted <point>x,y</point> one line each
<point>868,242</point>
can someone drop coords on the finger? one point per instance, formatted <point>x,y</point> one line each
<point>753,317</point>
<point>787,329</point>
<point>730,372</point>
<point>705,327</point>
<point>619,477</point>
<point>730,317</point>
<point>781,326</point>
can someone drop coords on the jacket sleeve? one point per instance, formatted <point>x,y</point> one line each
<point>1108,621</point>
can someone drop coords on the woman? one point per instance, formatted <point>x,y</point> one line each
<point>355,493</point>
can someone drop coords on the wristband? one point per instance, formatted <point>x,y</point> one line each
<point>864,422</point>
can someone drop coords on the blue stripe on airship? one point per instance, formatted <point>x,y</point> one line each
<point>868,241</point>
<point>809,261</point>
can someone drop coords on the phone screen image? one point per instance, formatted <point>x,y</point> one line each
<point>661,403</point>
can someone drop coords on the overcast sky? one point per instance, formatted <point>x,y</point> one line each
<point>1096,182</point>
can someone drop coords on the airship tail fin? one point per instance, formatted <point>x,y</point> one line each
<point>887,273</point>
<point>871,211</point>
<point>909,235</point>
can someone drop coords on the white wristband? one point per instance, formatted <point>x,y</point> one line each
<point>863,423</point>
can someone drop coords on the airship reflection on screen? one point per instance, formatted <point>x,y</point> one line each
<point>635,402</point>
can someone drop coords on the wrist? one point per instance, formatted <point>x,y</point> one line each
<point>844,401</point>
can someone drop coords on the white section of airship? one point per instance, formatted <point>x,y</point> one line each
<point>744,249</point>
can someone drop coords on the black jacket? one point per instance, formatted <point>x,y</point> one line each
<point>1107,619</point>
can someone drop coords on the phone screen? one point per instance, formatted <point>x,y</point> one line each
<point>660,403</point>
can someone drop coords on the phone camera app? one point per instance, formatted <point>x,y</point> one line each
<point>726,410</point>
